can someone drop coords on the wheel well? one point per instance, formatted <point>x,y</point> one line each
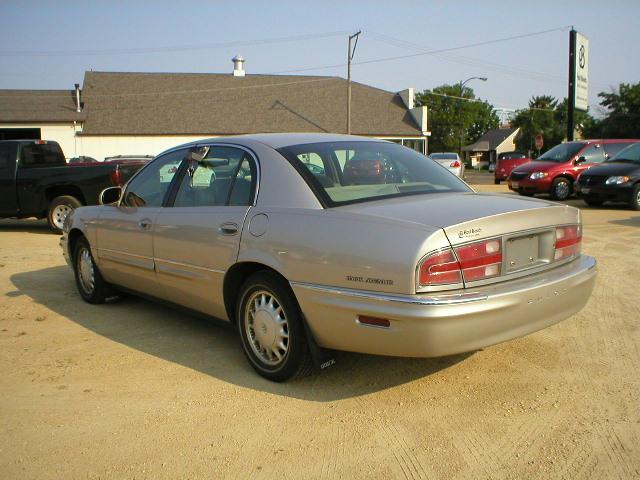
<point>74,236</point>
<point>567,178</point>
<point>235,277</point>
<point>70,190</point>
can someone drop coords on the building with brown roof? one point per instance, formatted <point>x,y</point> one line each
<point>145,113</point>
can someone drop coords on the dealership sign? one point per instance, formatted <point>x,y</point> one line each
<point>581,72</point>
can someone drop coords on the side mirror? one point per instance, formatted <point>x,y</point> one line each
<point>110,195</point>
<point>581,160</point>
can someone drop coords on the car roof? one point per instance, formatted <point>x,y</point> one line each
<point>280,140</point>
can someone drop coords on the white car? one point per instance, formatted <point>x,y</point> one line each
<point>451,161</point>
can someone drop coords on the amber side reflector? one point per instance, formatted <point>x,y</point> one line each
<point>374,321</point>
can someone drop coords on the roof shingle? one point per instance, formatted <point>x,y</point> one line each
<point>38,106</point>
<point>218,104</point>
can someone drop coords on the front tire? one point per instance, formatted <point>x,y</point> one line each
<point>91,286</point>
<point>560,189</point>
<point>271,328</point>
<point>496,181</point>
<point>59,208</point>
<point>634,203</point>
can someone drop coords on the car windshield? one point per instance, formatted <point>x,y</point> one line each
<point>351,172</point>
<point>630,154</point>
<point>444,156</point>
<point>562,153</point>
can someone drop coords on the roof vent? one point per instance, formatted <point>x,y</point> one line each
<point>238,66</point>
<point>77,92</point>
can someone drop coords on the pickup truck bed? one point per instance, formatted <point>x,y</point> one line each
<point>36,181</point>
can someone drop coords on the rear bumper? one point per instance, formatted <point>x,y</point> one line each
<point>428,325</point>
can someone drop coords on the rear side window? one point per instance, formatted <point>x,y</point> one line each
<point>224,177</point>
<point>6,154</point>
<point>612,149</point>
<point>36,155</point>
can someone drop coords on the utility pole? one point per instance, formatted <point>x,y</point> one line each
<point>350,54</point>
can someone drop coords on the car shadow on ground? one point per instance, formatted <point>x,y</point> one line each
<point>212,349</point>
<point>29,225</point>
<point>627,222</point>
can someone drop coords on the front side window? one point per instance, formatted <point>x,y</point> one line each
<point>223,177</point>
<point>562,153</point>
<point>362,171</point>
<point>593,154</point>
<point>149,187</point>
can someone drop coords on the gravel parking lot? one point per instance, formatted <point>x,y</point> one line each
<point>134,390</point>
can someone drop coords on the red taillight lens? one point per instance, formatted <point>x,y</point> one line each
<point>480,260</point>
<point>455,164</point>
<point>472,262</point>
<point>568,242</point>
<point>115,177</point>
<point>440,268</point>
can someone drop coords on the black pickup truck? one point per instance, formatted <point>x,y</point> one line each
<point>36,181</point>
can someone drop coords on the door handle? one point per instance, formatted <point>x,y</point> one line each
<point>228,228</point>
<point>144,224</point>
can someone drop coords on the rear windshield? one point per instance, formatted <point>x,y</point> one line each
<point>631,154</point>
<point>562,153</point>
<point>34,154</point>
<point>351,172</point>
<point>444,156</point>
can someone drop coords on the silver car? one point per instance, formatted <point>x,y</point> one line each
<point>309,243</point>
<point>451,161</point>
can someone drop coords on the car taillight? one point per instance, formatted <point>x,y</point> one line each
<point>568,242</point>
<point>455,164</point>
<point>115,177</point>
<point>480,260</point>
<point>440,268</point>
<point>475,261</point>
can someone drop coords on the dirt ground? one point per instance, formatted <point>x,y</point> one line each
<point>135,390</point>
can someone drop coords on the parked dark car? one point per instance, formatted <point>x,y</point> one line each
<point>615,180</point>
<point>505,164</point>
<point>556,171</point>
<point>36,181</point>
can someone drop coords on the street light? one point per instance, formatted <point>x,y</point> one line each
<point>462,84</point>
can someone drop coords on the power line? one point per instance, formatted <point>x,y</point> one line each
<point>173,48</point>
<point>430,52</point>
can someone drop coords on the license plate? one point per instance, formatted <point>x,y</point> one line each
<point>522,252</point>
<point>514,184</point>
<point>585,190</point>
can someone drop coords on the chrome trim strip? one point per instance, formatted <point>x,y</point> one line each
<point>187,265</point>
<point>130,259</point>
<point>445,299</point>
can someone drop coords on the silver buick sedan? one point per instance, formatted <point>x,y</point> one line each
<point>310,243</point>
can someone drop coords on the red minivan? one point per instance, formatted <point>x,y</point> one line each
<point>556,170</point>
<point>506,162</point>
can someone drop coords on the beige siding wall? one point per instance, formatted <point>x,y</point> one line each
<point>62,133</point>
<point>508,145</point>
<point>100,147</point>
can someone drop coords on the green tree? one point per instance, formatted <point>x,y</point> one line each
<point>540,118</point>
<point>450,116</point>
<point>622,114</point>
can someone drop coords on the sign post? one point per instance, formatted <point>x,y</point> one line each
<point>578,78</point>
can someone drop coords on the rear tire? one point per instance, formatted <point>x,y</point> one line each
<point>59,208</point>
<point>560,189</point>
<point>496,181</point>
<point>634,203</point>
<point>271,331</point>
<point>91,285</point>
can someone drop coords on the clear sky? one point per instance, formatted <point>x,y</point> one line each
<point>49,45</point>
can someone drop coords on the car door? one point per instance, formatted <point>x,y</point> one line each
<point>8,194</point>
<point>196,239</point>
<point>125,231</point>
